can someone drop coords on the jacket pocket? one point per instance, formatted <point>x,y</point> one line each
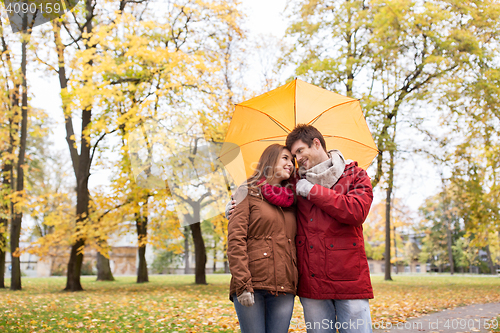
<point>258,263</point>
<point>342,259</point>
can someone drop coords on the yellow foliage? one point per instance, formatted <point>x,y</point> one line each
<point>374,230</point>
<point>132,72</point>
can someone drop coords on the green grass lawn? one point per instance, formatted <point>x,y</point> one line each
<point>496,324</point>
<point>172,303</point>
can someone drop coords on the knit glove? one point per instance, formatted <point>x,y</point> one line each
<point>246,298</point>
<point>230,207</point>
<point>304,187</point>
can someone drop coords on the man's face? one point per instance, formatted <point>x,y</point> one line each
<point>306,156</point>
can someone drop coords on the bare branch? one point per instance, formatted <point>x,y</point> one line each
<point>97,143</point>
<point>45,63</point>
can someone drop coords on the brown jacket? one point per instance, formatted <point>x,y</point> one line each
<point>261,246</point>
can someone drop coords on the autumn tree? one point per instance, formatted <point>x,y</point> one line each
<point>219,224</point>
<point>79,29</point>
<point>17,110</point>
<point>404,226</point>
<point>49,190</point>
<point>473,105</point>
<point>442,228</point>
<point>97,63</point>
<point>9,108</point>
<point>477,194</point>
<point>130,85</point>
<point>23,151</point>
<point>6,147</point>
<point>465,254</point>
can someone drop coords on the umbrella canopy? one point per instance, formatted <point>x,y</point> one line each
<point>268,118</point>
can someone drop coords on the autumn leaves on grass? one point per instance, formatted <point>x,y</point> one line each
<point>172,303</point>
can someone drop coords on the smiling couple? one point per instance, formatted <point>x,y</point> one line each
<point>301,234</point>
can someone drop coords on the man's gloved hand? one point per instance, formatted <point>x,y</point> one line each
<point>230,207</point>
<point>246,298</point>
<point>304,187</point>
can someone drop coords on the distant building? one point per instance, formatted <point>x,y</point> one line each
<point>123,260</point>
<point>378,267</point>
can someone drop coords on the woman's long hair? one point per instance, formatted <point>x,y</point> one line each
<point>265,168</point>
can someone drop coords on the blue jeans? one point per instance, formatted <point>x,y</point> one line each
<point>269,314</point>
<point>328,315</point>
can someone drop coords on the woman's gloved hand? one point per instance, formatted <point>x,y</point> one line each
<point>230,208</point>
<point>246,298</point>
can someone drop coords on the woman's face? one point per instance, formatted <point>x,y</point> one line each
<point>284,167</point>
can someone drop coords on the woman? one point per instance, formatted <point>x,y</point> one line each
<point>261,246</point>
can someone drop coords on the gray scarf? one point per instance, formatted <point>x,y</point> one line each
<point>326,173</point>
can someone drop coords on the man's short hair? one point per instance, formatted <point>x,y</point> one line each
<point>307,134</point>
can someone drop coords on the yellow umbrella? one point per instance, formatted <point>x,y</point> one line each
<point>268,118</point>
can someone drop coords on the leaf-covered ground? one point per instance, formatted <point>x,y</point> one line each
<point>173,304</point>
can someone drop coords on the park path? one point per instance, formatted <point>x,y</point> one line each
<point>470,318</point>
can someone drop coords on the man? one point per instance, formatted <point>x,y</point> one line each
<point>333,200</point>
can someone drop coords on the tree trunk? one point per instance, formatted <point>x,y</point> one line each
<point>15,229</point>
<point>447,220</point>
<point>81,162</point>
<point>200,255</point>
<point>395,251</point>
<point>4,222</point>
<point>103,269</point>
<point>82,207</point>
<point>142,271</point>
<point>215,257</point>
<point>390,182</point>
<point>450,252</point>
<point>186,250</point>
<point>226,265</point>
<point>15,233</point>
<point>63,82</point>
<point>490,261</point>
<point>2,268</point>
<point>141,222</point>
<point>8,183</point>
<point>74,267</point>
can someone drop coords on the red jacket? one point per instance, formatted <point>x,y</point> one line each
<point>331,254</point>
